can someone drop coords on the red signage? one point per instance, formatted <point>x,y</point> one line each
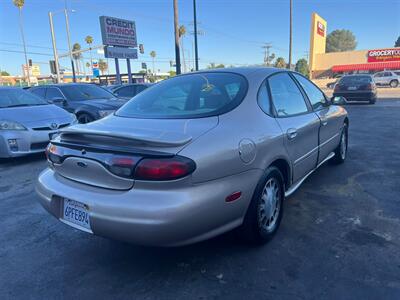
<point>320,29</point>
<point>381,55</point>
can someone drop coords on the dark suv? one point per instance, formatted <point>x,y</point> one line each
<point>87,101</point>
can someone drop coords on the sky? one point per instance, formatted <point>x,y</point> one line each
<point>233,30</point>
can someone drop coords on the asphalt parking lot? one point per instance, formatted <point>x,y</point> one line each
<point>339,238</point>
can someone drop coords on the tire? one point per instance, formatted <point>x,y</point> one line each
<point>372,101</point>
<point>259,225</point>
<point>341,150</point>
<point>394,83</point>
<point>85,118</point>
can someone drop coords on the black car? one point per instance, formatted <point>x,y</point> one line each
<point>88,102</point>
<point>356,88</point>
<point>127,91</point>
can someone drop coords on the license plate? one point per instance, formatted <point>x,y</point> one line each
<point>76,213</point>
<point>352,88</point>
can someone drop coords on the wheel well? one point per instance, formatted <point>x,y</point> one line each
<point>284,167</point>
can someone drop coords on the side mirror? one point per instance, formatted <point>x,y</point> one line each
<point>339,100</point>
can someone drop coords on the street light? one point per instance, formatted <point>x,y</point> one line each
<point>20,4</point>
<point>69,40</point>
<point>53,38</point>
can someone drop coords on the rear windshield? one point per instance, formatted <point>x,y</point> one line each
<point>82,92</point>
<point>18,97</point>
<point>355,80</point>
<point>189,96</point>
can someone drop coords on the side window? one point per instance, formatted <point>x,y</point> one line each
<point>263,99</point>
<point>286,96</point>
<point>39,92</point>
<point>377,75</point>
<point>53,93</point>
<point>387,74</point>
<point>127,91</point>
<point>314,94</point>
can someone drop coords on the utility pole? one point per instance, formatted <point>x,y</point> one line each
<point>176,30</point>
<point>290,34</point>
<point>69,41</point>
<point>266,48</point>
<point>53,39</point>
<point>196,54</point>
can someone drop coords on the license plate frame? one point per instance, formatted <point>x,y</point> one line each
<point>76,214</point>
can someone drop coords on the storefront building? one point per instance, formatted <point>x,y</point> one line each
<point>323,65</point>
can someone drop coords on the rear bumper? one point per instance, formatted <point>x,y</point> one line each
<point>28,141</point>
<point>356,96</point>
<point>156,217</point>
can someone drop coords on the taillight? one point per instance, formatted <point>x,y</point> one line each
<point>54,153</point>
<point>164,168</point>
<point>122,165</point>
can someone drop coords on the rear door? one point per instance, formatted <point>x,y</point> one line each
<point>331,124</point>
<point>378,78</point>
<point>298,122</point>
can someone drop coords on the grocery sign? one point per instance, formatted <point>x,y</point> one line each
<point>118,32</point>
<point>382,55</point>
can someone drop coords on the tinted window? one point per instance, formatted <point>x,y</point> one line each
<point>188,96</point>
<point>18,97</point>
<point>286,96</point>
<point>79,92</point>
<point>314,94</point>
<point>140,88</point>
<point>378,75</point>
<point>387,74</point>
<point>263,99</point>
<point>397,73</point>
<point>126,91</point>
<point>39,92</point>
<point>355,80</point>
<point>53,93</point>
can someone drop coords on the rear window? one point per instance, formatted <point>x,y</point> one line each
<point>355,80</point>
<point>189,96</point>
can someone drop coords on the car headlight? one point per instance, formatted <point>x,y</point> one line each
<point>11,125</point>
<point>104,113</point>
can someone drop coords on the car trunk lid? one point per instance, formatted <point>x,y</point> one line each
<point>86,152</point>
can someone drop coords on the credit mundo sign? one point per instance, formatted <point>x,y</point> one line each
<point>382,55</point>
<point>118,32</point>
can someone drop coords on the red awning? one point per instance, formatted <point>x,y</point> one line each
<point>368,66</point>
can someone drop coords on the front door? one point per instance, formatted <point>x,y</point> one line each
<point>329,133</point>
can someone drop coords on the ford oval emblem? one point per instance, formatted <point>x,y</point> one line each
<point>82,164</point>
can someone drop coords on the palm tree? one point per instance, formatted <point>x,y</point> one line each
<point>76,56</point>
<point>182,33</point>
<point>89,41</point>
<point>153,56</point>
<point>103,66</point>
<point>20,4</point>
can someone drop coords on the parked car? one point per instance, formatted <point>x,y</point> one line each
<point>27,122</point>
<point>332,84</point>
<point>389,78</point>
<point>128,91</point>
<point>195,156</point>
<point>88,102</point>
<point>356,88</point>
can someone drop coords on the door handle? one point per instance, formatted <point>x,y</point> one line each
<point>324,121</point>
<point>291,133</point>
